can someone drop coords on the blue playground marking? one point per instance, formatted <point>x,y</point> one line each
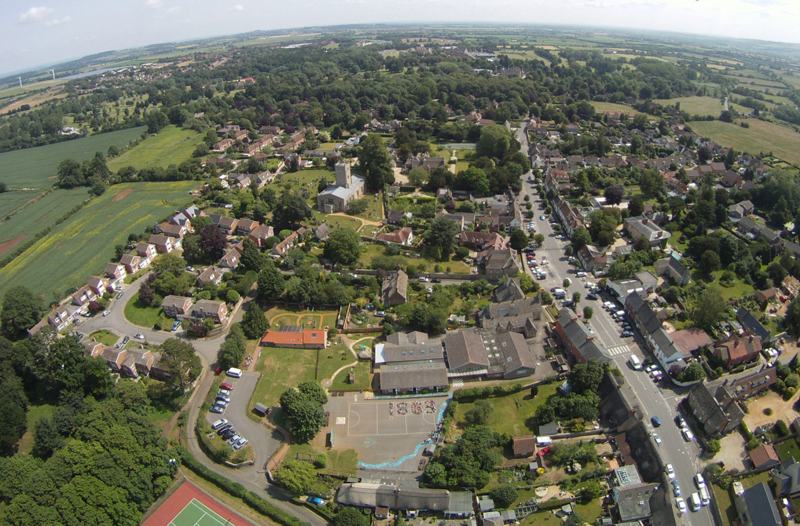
<point>405,458</point>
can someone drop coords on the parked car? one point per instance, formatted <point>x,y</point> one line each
<point>105,313</point>
<point>687,434</point>
<point>216,408</point>
<point>139,336</point>
<point>176,325</point>
<point>670,471</point>
<point>219,423</point>
<point>656,438</point>
<point>676,488</point>
<point>680,504</point>
<point>223,398</point>
<point>655,421</point>
<point>226,385</point>
<point>591,296</point>
<point>316,501</point>
<point>679,421</point>
<point>699,481</point>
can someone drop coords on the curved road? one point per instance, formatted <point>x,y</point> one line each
<point>265,442</point>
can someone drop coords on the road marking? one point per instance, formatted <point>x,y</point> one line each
<point>619,349</point>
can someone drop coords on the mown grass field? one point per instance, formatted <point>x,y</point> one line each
<point>761,136</point>
<point>84,243</point>
<point>701,105</point>
<point>510,412</point>
<point>602,107</point>
<point>172,145</point>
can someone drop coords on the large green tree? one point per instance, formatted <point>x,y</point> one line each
<point>304,414</point>
<point>495,142</point>
<point>709,309</point>
<point>21,311</point>
<point>439,240</point>
<point>180,360</point>
<point>271,282</point>
<point>254,323</point>
<point>375,163</point>
<point>342,246</point>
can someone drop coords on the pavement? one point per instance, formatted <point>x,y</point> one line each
<point>654,400</point>
<point>265,441</point>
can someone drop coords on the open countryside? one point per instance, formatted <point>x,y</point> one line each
<point>172,145</point>
<point>83,244</point>
<point>760,137</point>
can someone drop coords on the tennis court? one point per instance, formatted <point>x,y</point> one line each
<point>188,505</point>
<point>195,513</point>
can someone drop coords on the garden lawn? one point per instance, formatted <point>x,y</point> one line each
<point>738,289</point>
<point>172,145</point>
<point>35,413</point>
<point>761,136</point>
<point>144,316</point>
<point>370,251</point>
<point>105,337</point>
<point>362,380</point>
<point>510,412</point>
<point>722,499</point>
<point>341,222</point>
<point>281,369</point>
<point>541,518</point>
<point>338,462</point>
<point>83,244</point>
<point>336,355</point>
<point>788,449</point>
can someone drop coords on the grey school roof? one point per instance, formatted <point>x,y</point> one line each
<point>373,495</point>
<point>413,375</point>
<point>390,353</point>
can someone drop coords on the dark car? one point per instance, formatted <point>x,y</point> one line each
<point>655,421</point>
<point>591,296</point>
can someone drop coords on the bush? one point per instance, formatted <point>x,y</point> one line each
<point>503,496</point>
<point>320,461</point>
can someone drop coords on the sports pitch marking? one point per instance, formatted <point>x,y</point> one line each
<point>195,513</point>
<point>354,420</point>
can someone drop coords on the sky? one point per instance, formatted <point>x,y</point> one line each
<point>40,32</point>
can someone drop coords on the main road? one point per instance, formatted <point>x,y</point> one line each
<point>653,399</point>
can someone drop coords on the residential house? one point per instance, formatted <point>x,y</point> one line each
<point>163,244</point>
<point>592,259</point>
<point>133,263</point>
<point>657,339</point>
<point>260,234</point>
<point>497,264</point>
<point>738,349</point>
<point>751,229</point>
<point>751,325</point>
<point>176,306</point>
<point>719,412</point>
<point>569,216</point>
<point>425,162</point>
<point>519,315</point>
<point>114,357</point>
<point>242,180</point>
<point>574,336</point>
<point>215,310</point>
<point>740,210</point>
<point>322,232</point>
<point>644,228</point>
<point>171,229</point>
<point>764,457</point>
<point>226,224</point>
<point>689,341</point>
<point>246,226</point>
<point>756,506</point>
<point>209,276</point>
<point>523,447</point>
<point>288,243</point>
<point>59,319</point>
<point>753,384</point>
<point>115,272</point>
<point>481,241</point>
<point>394,289</point>
<point>404,237</point>
<point>509,290</point>
<point>97,284</point>
<point>790,286</point>
<point>295,338</point>
<point>230,259</point>
<point>788,480</point>
<point>631,495</point>
<point>146,251</point>
<point>223,145</point>
<point>347,188</point>
<point>673,269</point>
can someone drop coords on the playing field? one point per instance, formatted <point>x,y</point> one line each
<point>83,244</point>
<point>189,506</point>
<point>172,145</point>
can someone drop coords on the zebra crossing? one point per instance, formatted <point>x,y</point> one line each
<point>619,349</point>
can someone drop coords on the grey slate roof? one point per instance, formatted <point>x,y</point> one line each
<point>760,506</point>
<point>413,375</point>
<point>465,348</point>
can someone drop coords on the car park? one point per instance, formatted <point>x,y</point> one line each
<point>219,423</point>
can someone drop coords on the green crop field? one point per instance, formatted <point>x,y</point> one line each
<point>602,107</point>
<point>35,168</point>
<point>761,136</point>
<point>172,145</point>
<point>38,214</point>
<point>84,243</point>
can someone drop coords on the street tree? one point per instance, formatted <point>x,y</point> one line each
<point>519,239</point>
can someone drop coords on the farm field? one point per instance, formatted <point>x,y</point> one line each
<point>761,136</point>
<point>37,215</point>
<point>602,107</point>
<point>172,145</point>
<point>35,168</point>
<point>700,105</point>
<point>84,243</point>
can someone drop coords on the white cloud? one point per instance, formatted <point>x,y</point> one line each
<point>238,7</point>
<point>35,14</point>
<point>58,21</point>
<point>154,4</point>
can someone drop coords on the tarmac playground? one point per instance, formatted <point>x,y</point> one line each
<point>387,434</point>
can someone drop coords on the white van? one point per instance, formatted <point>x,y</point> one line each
<point>233,372</point>
<point>705,496</point>
<point>694,501</point>
<point>559,294</point>
<point>635,362</point>
<point>543,441</point>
